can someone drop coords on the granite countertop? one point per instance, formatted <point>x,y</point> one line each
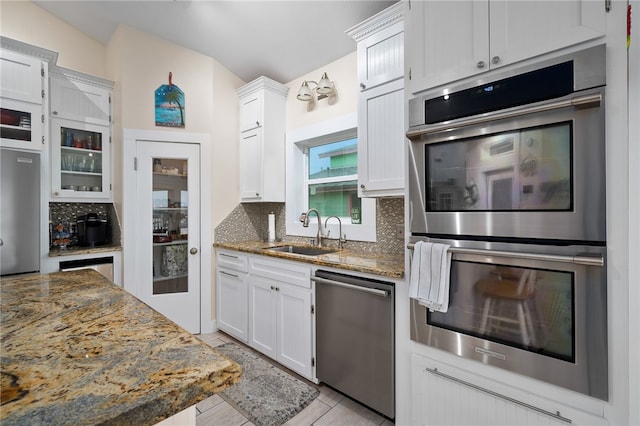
<point>77,349</point>
<point>388,265</point>
<point>76,250</point>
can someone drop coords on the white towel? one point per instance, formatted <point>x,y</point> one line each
<point>429,281</point>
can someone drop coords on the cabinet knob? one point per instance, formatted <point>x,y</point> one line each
<point>362,86</point>
<point>273,288</point>
<point>495,60</point>
<point>56,193</point>
<point>362,185</point>
<point>258,123</point>
<point>257,194</point>
<point>54,112</point>
<point>480,64</point>
<point>193,250</point>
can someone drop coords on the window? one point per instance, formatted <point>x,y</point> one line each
<point>332,179</point>
<point>322,173</point>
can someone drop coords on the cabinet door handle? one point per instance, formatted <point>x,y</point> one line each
<point>228,255</point>
<point>495,60</point>
<point>227,273</point>
<point>480,64</point>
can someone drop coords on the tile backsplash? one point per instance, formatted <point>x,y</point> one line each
<point>66,213</point>
<point>248,222</point>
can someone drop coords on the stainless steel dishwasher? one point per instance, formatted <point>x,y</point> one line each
<point>355,344</point>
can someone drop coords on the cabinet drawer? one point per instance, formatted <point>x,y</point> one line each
<point>281,270</point>
<point>232,260</point>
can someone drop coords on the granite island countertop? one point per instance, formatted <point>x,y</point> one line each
<point>388,265</point>
<point>77,349</point>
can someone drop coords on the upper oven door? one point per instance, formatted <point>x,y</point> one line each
<point>534,172</point>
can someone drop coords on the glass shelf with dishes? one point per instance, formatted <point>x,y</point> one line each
<point>16,129</point>
<point>80,161</point>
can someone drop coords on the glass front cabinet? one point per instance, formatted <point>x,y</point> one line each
<point>81,160</point>
<point>21,124</point>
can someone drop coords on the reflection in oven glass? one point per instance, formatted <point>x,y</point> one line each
<point>525,170</point>
<point>521,307</point>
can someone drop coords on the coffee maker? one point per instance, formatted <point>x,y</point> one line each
<point>93,230</point>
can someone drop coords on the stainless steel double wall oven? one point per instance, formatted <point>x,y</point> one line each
<point>510,171</point>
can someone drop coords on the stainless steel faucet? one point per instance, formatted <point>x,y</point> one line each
<point>341,240</point>
<point>305,223</point>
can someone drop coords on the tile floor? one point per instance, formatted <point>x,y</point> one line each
<point>330,408</point>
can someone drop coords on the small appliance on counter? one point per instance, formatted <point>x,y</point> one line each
<point>93,230</point>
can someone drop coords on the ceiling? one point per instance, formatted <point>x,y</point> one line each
<point>282,40</point>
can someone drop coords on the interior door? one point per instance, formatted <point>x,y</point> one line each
<point>168,230</point>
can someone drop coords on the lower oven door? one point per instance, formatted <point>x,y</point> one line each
<point>540,311</point>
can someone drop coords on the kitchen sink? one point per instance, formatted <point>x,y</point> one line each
<point>306,251</point>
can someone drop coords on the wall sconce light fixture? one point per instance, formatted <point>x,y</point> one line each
<point>323,89</point>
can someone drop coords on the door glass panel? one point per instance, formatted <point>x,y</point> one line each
<point>170,203</point>
<point>524,170</point>
<point>80,160</point>
<point>527,308</point>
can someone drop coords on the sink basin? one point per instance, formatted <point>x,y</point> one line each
<point>306,251</point>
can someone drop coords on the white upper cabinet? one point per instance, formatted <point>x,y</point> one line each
<point>381,122</point>
<point>451,40</point>
<point>262,140</point>
<point>380,48</point>
<point>21,77</point>
<point>77,100</point>
<point>251,158</point>
<point>251,111</point>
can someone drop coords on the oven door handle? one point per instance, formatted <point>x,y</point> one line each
<point>377,292</point>
<point>586,101</point>
<point>578,260</point>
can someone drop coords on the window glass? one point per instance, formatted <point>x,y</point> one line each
<point>332,177</point>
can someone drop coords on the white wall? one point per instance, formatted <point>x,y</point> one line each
<point>24,21</point>
<point>343,72</point>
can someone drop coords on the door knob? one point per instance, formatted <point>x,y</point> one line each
<point>193,250</point>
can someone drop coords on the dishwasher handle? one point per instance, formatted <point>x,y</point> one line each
<point>377,292</point>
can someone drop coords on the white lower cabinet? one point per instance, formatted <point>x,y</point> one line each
<point>268,304</point>
<point>444,395</point>
<point>280,312</point>
<point>232,294</point>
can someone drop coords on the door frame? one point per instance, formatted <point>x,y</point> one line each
<point>130,138</point>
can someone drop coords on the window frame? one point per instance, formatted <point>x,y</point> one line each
<point>298,140</point>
